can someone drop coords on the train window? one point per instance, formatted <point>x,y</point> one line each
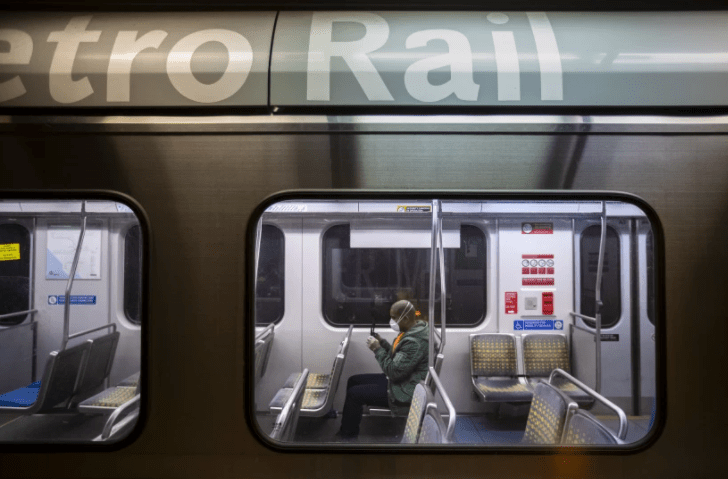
<point>270,286</point>
<point>611,279</point>
<point>132,270</point>
<point>360,284</point>
<point>361,354</point>
<point>14,272</point>
<point>72,372</point>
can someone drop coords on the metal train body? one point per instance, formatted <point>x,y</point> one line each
<point>200,177</point>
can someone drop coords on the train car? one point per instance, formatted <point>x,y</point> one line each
<point>257,189</point>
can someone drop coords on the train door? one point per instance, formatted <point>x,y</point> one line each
<point>616,345</point>
<point>18,333</point>
<point>278,302</point>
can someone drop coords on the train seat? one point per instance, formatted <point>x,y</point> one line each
<point>317,401</point>
<point>263,347</point>
<point>98,365</point>
<point>494,370</point>
<point>106,401</point>
<point>60,383</point>
<point>434,430</point>
<point>284,427</point>
<point>132,380</point>
<point>548,413</point>
<point>542,353</point>
<point>583,428</point>
<point>420,399</point>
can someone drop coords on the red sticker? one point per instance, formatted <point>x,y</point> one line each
<point>511,303</point>
<point>537,281</point>
<point>537,228</point>
<point>547,303</point>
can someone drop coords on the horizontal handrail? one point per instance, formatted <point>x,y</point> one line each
<point>446,399</point>
<point>112,419</point>
<point>622,434</point>
<point>267,329</point>
<point>593,333</point>
<point>18,326</point>
<point>93,330</point>
<point>582,316</point>
<point>19,313</point>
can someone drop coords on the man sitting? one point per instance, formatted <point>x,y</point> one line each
<point>404,364</point>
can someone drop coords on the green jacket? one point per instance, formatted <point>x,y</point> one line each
<point>406,367</point>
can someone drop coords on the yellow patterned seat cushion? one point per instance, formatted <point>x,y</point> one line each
<point>314,381</point>
<point>586,429</point>
<point>312,399</point>
<point>577,395</point>
<point>542,353</point>
<point>415,415</point>
<point>493,355</point>
<point>546,417</point>
<point>114,397</point>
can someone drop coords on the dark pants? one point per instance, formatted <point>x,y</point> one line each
<point>361,389</point>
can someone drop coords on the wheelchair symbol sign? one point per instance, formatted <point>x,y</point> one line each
<point>518,325</point>
<point>558,325</point>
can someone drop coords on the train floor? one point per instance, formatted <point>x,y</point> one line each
<point>469,429</point>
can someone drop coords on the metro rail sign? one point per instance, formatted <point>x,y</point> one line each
<point>151,59</point>
<point>352,59</point>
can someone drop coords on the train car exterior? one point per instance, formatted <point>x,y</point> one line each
<point>282,121</point>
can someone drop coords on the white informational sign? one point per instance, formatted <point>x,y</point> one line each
<point>62,242</point>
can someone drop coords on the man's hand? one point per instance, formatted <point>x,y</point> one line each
<point>379,338</point>
<point>373,343</point>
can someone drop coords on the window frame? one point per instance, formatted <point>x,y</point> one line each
<point>262,436</point>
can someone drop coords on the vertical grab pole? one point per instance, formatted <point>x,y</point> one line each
<point>431,299</point>
<point>443,289</point>
<point>71,276</point>
<point>598,305</point>
<point>258,239</point>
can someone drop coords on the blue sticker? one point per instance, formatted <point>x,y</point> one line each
<point>558,324</point>
<point>535,324</point>
<point>61,299</point>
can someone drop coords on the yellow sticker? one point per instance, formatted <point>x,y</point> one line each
<point>9,252</point>
<point>413,209</point>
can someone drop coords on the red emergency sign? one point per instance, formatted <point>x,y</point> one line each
<point>511,302</point>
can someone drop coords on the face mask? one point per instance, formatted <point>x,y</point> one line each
<point>394,324</point>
